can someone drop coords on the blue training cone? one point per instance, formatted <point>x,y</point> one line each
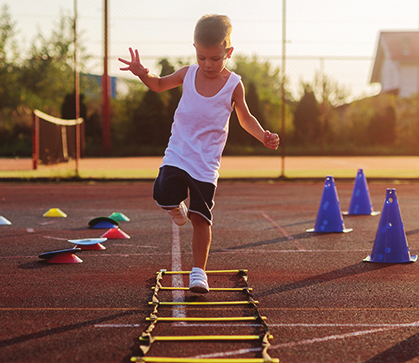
<point>360,201</point>
<point>390,243</point>
<point>329,217</point>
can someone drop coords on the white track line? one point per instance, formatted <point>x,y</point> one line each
<point>177,280</point>
<point>283,231</point>
<point>253,251</point>
<point>302,325</point>
<point>331,337</point>
<point>245,250</point>
<point>306,341</point>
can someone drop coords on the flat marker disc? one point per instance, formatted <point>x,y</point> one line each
<point>87,241</point>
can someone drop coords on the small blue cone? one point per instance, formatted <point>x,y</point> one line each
<point>360,201</point>
<point>329,217</point>
<point>104,225</point>
<point>390,245</point>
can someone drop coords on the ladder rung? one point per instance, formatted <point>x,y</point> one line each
<point>169,338</point>
<point>239,289</point>
<point>207,271</point>
<point>169,303</point>
<point>238,318</point>
<point>202,360</point>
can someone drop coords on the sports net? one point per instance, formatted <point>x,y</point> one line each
<point>53,139</point>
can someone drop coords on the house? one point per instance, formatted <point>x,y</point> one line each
<point>396,65</point>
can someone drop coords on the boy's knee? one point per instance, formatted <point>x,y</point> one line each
<point>198,220</point>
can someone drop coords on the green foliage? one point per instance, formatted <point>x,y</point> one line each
<point>9,90</point>
<point>48,69</point>
<point>382,127</point>
<point>307,119</point>
<point>319,123</point>
<point>261,79</point>
<point>147,118</point>
<point>264,98</point>
<point>40,81</point>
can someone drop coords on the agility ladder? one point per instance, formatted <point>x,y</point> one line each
<point>147,339</point>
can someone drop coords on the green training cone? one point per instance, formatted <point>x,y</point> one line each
<point>120,217</point>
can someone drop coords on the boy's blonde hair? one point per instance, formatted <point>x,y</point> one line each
<point>213,30</point>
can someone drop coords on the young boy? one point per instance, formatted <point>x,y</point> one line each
<point>199,133</point>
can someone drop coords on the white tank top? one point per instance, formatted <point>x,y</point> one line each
<point>200,129</point>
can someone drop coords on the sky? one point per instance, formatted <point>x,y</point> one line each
<point>338,38</point>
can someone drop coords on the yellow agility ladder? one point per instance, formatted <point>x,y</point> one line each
<point>147,339</point>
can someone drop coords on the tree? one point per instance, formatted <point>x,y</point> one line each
<point>148,129</point>
<point>9,90</point>
<point>48,73</point>
<point>40,81</point>
<point>263,95</point>
<point>306,119</point>
<point>237,135</point>
<point>267,82</point>
<point>170,99</point>
<point>15,132</point>
<point>153,117</point>
<point>382,127</point>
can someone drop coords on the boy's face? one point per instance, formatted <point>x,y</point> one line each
<point>213,59</point>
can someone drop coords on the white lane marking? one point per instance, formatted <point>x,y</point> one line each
<point>301,342</point>
<point>177,280</point>
<point>303,325</point>
<point>283,231</point>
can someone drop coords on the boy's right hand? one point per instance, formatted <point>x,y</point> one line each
<point>271,140</point>
<point>134,65</point>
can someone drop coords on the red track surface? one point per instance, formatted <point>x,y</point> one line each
<point>322,302</point>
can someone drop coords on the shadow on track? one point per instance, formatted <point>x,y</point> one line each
<point>66,328</point>
<point>353,270</point>
<point>404,351</point>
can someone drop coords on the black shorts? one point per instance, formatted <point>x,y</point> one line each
<point>171,188</point>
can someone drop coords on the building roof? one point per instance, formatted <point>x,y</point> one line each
<point>401,46</point>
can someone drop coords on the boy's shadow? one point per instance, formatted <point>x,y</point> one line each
<point>404,351</point>
<point>34,265</point>
<point>353,270</point>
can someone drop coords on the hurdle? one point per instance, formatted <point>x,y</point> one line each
<point>203,360</point>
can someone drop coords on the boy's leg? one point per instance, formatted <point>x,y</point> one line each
<point>179,214</point>
<point>201,203</point>
<point>201,240</point>
<point>170,190</point>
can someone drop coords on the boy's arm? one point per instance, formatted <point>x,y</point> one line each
<point>155,83</point>
<point>250,123</point>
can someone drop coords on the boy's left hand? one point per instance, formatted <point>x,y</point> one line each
<point>134,65</point>
<point>271,140</point>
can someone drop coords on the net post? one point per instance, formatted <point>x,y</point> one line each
<point>35,141</point>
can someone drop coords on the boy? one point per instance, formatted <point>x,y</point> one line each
<point>199,133</point>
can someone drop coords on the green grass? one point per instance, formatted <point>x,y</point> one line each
<point>52,173</point>
<point>389,168</point>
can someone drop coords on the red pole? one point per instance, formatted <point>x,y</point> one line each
<point>76,89</point>
<point>106,109</point>
<point>283,103</point>
<point>35,143</point>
